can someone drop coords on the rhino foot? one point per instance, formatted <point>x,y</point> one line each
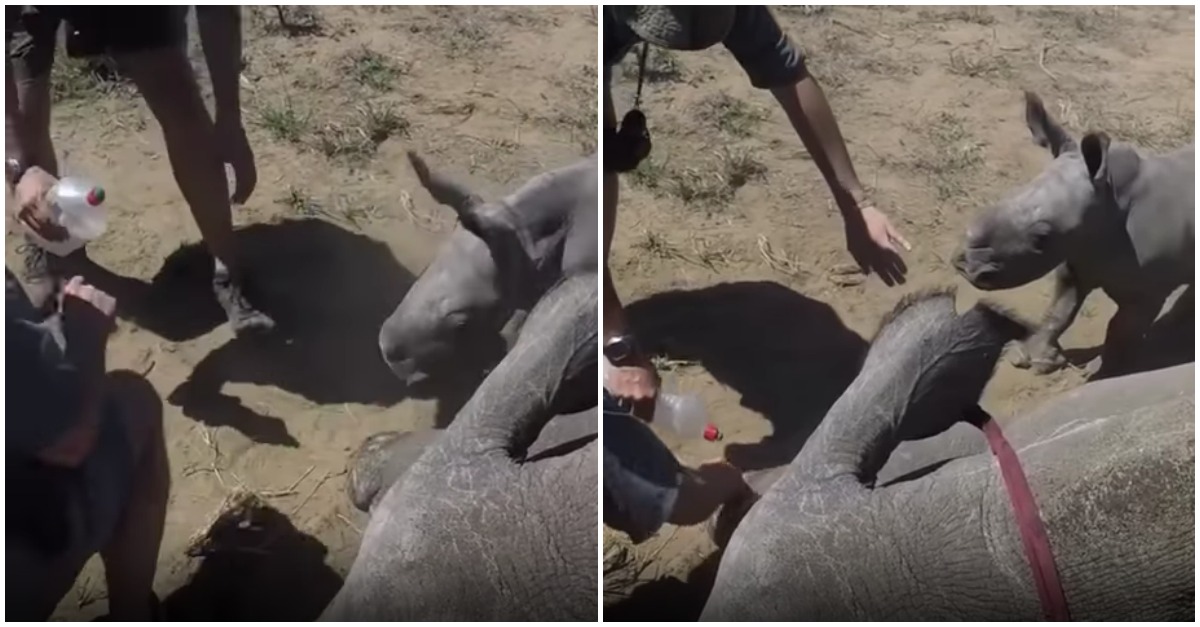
<point>364,473</point>
<point>1043,359</point>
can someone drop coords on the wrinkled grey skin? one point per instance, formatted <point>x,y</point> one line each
<point>1111,465</point>
<point>384,457</point>
<point>495,265</point>
<point>476,529</point>
<point>1107,217</point>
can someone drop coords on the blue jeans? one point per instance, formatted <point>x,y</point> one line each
<point>641,476</point>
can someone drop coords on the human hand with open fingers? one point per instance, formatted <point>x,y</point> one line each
<point>33,205</point>
<point>234,148</point>
<point>874,243</point>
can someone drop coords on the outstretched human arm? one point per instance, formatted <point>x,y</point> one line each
<point>773,62</point>
<point>871,238</point>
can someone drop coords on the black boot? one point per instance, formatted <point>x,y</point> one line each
<point>244,319</point>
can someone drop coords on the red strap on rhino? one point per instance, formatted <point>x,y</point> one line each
<point>1029,524</point>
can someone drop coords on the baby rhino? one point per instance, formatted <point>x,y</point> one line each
<point>1101,215</point>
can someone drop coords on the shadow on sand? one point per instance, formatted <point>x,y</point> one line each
<point>329,290</point>
<point>668,598</point>
<point>254,566</point>
<point>789,356</point>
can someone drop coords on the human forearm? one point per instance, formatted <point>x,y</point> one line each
<point>809,112</point>
<point>221,38</point>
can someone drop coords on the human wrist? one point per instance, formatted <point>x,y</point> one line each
<point>852,198</point>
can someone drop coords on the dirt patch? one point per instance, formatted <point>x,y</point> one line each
<point>736,268</point>
<point>336,231</point>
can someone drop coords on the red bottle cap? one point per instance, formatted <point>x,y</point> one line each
<point>95,196</point>
<point>712,433</point>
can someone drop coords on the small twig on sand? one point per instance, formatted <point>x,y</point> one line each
<point>864,33</point>
<point>349,524</point>
<point>1042,62</point>
<point>206,433</point>
<point>290,490</point>
<point>776,261</point>
<point>316,487</point>
<point>421,221</point>
<point>654,554</point>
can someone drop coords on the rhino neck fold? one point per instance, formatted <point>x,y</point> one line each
<point>855,437</point>
<point>510,407</point>
<point>926,368</point>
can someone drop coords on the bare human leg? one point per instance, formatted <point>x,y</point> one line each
<point>131,554</point>
<point>165,79</point>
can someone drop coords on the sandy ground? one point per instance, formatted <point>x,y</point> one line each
<point>733,257</point>
<point>336,231</point>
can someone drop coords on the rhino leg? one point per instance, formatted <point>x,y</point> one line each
<point>1042,351</point>
<point>380,461</point>
<point>1126,331</point>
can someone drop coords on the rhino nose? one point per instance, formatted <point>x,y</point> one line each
<point>404,369</point>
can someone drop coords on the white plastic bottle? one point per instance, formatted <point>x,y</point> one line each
<point>681,414</point>
<point>78,206</point>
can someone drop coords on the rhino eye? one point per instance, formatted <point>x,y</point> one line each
<point>1040,235</point>
<point>456,319</point>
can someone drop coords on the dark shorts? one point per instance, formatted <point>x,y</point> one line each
<point>641,476</point>
<point>32,32</point>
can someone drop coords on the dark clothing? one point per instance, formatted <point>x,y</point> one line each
<point>641,476</point>
<point>767,55</point>
<point>55,517</point>
<point>31,32</point>
<point>41,381</point>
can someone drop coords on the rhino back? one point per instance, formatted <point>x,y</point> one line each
<point>1112,468</point>
<point>1162,206</point>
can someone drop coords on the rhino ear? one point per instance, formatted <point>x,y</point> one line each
<point>489,224</point>
<point>1047,133</point>
<point>443,189</point>
<point>1095,154</point>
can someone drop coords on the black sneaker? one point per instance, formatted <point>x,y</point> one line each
<point>243,318</point>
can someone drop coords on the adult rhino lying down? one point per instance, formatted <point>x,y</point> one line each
<point>1106,216</point>
<point>383,458</point>
<point>469,303</point>
<point>476,529</point>
<point>1111,466</point>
